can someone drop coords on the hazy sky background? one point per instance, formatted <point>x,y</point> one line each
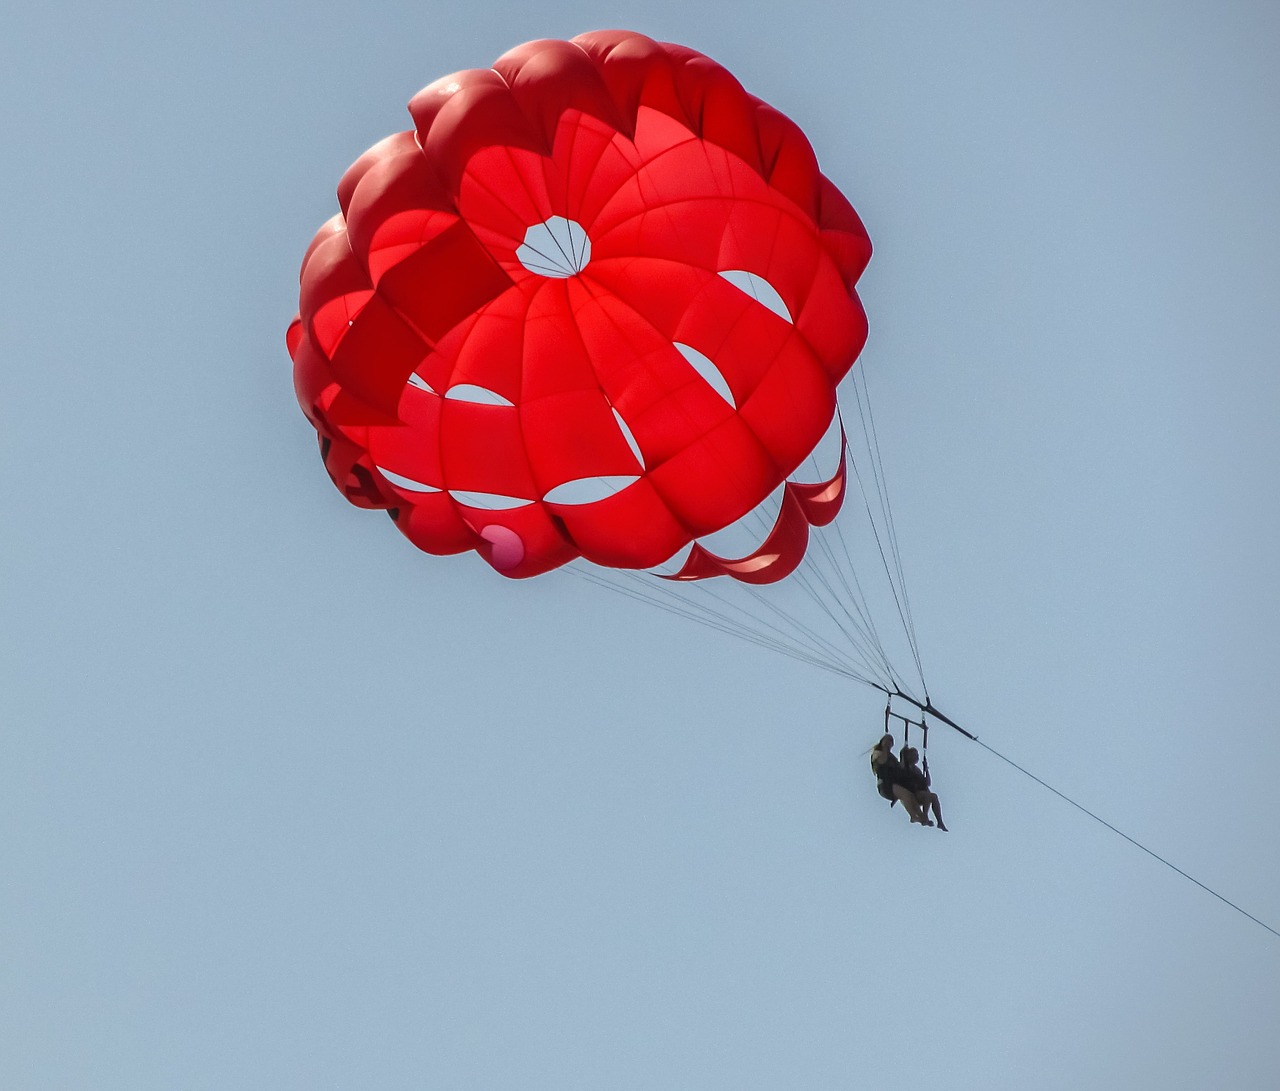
<point>285,804</point>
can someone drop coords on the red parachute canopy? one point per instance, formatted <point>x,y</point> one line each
<point>596,303</point>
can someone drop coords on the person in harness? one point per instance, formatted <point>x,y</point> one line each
<point>918,782</point>
<point>890,783</point>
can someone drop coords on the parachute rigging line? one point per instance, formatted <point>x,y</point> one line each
<point>898,586</point>
<point>666,600</point>
<point>863,633</point>
<point>864,661</point>
<point>883,485</point>
<point>864,623</point>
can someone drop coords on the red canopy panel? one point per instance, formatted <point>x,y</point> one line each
<point>804,504</point>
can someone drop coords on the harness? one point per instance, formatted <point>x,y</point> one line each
<point>882,786</point>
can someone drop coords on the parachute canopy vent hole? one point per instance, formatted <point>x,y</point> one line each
<point>555,248</point>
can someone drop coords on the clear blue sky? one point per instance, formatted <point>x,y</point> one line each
<point>286,805</point>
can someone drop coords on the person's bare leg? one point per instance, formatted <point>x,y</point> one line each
<point>932,801</point>
<point>911,805</point>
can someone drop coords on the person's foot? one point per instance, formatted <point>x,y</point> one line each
<point>942,827</point>
<point>925,822</point>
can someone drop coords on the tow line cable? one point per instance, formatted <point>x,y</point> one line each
<point>927,707</point>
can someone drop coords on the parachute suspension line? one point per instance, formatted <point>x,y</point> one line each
<point>869,654</point>
<point>727,626</point>
<point>698,601</point>
<point>892,584</point>
<point>863,631</point>
<point>764,600</point>
<point>859,631</point>
<point>896,586</point>
<point>805,576</point>
<point>865,649</point>
<point>882,486</point>
<point>645,589</point>
<point>808,648</point>
<point>799,632</point>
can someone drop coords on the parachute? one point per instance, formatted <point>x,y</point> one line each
<point>591,314</point>
<point>595,304</point>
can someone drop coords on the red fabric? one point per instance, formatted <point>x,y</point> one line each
<point>804,504</point>
<point>821,503</point>
<point>424,284</point>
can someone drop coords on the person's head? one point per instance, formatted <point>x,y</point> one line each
<point>910,755</point>
<point>885,743</point>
